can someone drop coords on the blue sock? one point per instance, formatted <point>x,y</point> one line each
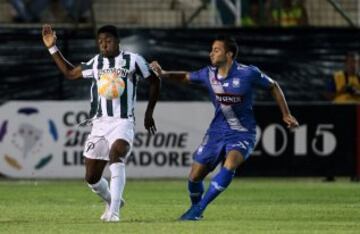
<point>218,184</point>
<point>196,190</point>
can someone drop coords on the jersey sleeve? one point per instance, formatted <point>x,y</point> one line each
<point>87,70</point>
<point>260,78</point>
<point>142,67</point>
<point>199,76</point>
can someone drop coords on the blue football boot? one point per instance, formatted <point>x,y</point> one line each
<point>194,213</point>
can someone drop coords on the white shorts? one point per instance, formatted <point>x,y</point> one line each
<point>105,131</point>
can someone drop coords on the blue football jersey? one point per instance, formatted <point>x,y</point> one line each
<point>232,96</point>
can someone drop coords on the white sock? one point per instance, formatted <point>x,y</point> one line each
<point>117,184</point>
<point>101,188</point>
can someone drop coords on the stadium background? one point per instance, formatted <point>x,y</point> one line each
<point>178,34</point>
<point>278,190</point>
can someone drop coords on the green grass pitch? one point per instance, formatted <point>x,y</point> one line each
<point>249,206</point>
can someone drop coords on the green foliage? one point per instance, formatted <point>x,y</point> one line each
<point>253,206</point>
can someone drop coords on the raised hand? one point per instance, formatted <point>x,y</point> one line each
<point>48,36</point>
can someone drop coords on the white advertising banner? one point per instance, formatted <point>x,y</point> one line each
<point>43,139</point>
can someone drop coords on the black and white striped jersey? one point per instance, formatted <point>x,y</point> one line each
<point>130,67</point>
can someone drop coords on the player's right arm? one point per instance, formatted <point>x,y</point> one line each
<point>69,70</point>
<point>180,76</point>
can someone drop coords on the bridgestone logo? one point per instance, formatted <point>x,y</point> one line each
<point>228,99</point>
<point>119,71</point>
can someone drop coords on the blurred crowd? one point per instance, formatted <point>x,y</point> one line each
<point>344,85</point>
<point>32,11</point>
<point>255,13</point>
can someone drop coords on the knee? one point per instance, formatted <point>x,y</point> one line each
<point>233,160</point>
<point>194,177</point>
<point>119,150</point>
<point>198,172</point>
<point>92,178</point>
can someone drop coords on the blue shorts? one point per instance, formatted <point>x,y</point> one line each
<point>215,147</point>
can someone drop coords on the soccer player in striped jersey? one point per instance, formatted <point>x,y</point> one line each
<point>231,136</point>
<point>112,121</point>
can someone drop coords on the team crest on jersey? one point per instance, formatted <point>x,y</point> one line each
<point>236,82</point>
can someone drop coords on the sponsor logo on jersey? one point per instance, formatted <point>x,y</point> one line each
<point>119,71</point>
<point>228,99</point>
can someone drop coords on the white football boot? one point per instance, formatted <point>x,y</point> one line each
<point>112,218</point>
<point>105,216</point>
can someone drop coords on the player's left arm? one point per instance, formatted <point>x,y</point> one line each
<point>261,79</point>
<point>279,97</point>
<point>154,93</point>
<point>143,69</point>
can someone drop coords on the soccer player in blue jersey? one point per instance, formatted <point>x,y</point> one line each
<point>231,136</point>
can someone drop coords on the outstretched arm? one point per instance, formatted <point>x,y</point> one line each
<point>49,38</point>
<point>279,97</point>
<point>154,93</point>
<point>180,76</point>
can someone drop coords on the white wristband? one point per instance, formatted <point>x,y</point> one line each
<point>53,49</point>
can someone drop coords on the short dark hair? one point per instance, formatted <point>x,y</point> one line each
<point>229,43</point>
<point>110,29</point>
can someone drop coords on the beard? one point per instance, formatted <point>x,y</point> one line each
<point>218,63</point>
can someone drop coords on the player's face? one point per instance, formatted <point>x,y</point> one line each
<point>218,54</point>
<point>108,45</point>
